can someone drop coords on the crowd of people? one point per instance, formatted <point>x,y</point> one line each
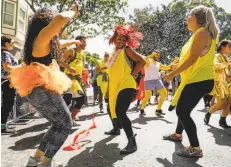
<point>52,78</point>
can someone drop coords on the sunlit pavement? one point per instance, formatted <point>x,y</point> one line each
<point>103,151</point>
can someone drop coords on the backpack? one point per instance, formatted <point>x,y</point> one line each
<point>132,64</point>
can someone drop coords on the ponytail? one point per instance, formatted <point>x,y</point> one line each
<point>211,24</point>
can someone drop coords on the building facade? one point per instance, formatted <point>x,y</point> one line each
<point>14,22</point>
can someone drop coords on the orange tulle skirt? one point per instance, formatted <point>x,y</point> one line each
<point>25,78</point>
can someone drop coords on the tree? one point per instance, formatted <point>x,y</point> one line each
<point>165,29</point>
<point>96,16</point>
<point>92,59</point>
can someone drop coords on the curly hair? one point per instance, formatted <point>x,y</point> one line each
<point>4,40</point>
<point>36,23</point>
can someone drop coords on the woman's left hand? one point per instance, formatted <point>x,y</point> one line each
<point>169,77</point>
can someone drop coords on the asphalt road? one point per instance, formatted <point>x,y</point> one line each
<point>103,151</point>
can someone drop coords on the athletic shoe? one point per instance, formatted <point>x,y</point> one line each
<point>171,108</point>
<point>142,112</point>
<point>159,112</point>
<point>190,152</point>
<point>173,137</point>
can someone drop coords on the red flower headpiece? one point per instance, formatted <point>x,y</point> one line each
<point>130,32</point>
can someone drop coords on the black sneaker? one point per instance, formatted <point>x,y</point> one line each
<point>223,123</point>
<point>173,137</point>
<point>142,112</point>
<point>207,118</point>
<point>190,152</point>
<point>113,132</point>
<point>159,112</point>
<point>171,108</point>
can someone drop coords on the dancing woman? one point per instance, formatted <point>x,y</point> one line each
<point>121,72</point>
<point>221,89</point>
<point>41,82</point>
<point>197,75</point>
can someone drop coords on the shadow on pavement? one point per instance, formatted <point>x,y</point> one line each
<point>101,154</point>
<point>35,128</point>
<point>89,116</point>
<point>222,136</point>
<point>134,109</point>
<point>27,143</point>
<point>144,120</point>
<point>178,161</point>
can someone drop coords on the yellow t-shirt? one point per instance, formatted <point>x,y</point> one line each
<point>77,63</point>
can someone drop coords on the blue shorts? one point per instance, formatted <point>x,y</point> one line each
<point>153,84</point>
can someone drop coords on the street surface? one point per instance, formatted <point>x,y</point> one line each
<point>103,151</point>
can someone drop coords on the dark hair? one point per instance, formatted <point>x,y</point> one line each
<point>4,40</point>
<point>222,43</point>
<point>81,37</point>
<point>36,23</point>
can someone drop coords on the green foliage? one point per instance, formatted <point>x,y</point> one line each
<point>96,16</point>
<point>165,29</point>
<point>92,59</point>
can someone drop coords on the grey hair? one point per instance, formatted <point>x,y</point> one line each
<point>205,18</point>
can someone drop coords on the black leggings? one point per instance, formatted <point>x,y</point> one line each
<point>79,101</point>
<point>123,102</point>
<point>8,95</point>
<point>207,98</point>
<point>190,96</point>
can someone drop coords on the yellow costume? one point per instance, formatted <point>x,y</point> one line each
<point>76,64</point>
<point>221,71</point>
<point>102,79</point>
<point>119,78</point>
<point>201,70</point>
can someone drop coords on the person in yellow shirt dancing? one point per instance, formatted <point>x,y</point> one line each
<point>196,70</point>
<point>123,66</point>
<point>221,89</point>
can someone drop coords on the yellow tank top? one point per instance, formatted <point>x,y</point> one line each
<point>77,63</point>
<point>119,78</point>
<point>201,70</point>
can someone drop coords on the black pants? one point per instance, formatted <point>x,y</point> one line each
<point>115,122</point>
<point>207,98</point>
<point>190,96</point>
<point>79,101</point>
<point>123,102</point>
<point>8,95</point>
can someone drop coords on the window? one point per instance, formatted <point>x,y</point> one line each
<point>21,20</point>
<point>9,14</point>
